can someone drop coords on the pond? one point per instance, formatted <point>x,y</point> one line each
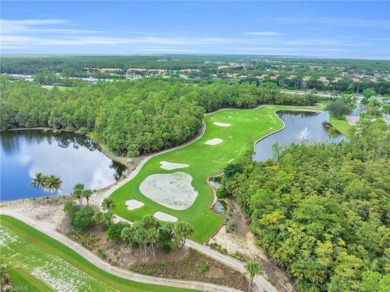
<point>307,127</point>
<point>73,158</point>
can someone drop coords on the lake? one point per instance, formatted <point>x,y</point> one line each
<point>74,158</point>
<point>300,127</point>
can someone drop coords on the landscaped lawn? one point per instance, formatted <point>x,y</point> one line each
<point>39,263</point>
<point>246,126</point>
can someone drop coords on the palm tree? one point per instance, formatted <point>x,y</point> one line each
<point>108,204</point>
<point>78,193</point>
<point>151,237</point>
<point>127,235</point>
<point>87,194</point>
<point>150,222</point>
<point>252,268</point>
<point>182,230</point>
<point>53,183</point>
<point>140,238</point>
<point>38,181</point>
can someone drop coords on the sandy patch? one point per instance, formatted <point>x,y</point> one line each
<point>164,217</point>
<point>169,166</point>
<point>214,141</point>
<point>221,124</point>
<point>172,190</point>
<point>133,204</point>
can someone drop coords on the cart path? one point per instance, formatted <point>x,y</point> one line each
<point>95,260</point>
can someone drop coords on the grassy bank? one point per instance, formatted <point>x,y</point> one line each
<point>37,261</point>
<point>341,125</point>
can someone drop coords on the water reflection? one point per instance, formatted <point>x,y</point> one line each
<point>308,127</point>
<point>74,158</point>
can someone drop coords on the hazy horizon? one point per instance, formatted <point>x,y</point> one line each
<point>317,29</point>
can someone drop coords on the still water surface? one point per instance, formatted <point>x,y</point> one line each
<point>74,158</point>
<point>307,127</point>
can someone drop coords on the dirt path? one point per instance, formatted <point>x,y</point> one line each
<point>242,241</point>
<point>110,269</point>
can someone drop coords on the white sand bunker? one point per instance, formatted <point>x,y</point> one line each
<point>214,141</point>
<point>164,217</point>
<point>172,190</point>
<point>169,166</point>
<point>133,204</point>
<point>221,124</point>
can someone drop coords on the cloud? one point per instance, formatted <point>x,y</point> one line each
<point>263,33</point>
<point>37,26</point>
<point>332,22</point>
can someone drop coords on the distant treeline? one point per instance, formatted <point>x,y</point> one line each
<point>132,117</point>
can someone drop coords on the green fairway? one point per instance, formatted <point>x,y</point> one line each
<point>39,263</point>
<point>246,126</point>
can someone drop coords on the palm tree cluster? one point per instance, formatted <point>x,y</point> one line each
<point>50,182</point>
<point>79,192</point>
<point>149,232</point>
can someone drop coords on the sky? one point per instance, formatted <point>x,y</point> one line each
<point>335,29</point>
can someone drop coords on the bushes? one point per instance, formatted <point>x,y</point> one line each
<point>81,219</point>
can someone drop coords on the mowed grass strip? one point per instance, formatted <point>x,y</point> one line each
<point>246,126</point>
<point>32,240</point>
<point>23,281</point>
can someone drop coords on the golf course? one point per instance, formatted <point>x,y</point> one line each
<point>228,134</point>
<point>37,262</point>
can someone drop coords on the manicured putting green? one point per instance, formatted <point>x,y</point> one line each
<point>40,263</point>
<point>238,129</point>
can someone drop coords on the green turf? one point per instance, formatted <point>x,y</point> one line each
<point>247,126</point>
<point>341,125</point>
<point>23,281</point>
<point>27,250</point>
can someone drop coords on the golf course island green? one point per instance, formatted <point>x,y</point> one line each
<point>228,134</point>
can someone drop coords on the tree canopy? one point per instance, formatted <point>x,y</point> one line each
<point>322,211</point>
<point>132,117</point>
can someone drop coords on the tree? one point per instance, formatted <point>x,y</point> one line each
<point>115,230</point>
<point>71,208</point>
<point>53,183</point>
<point>127,235</point>
<point>38,181</point>
<point>78,193</point>
<point>182,230</point>
<point>83,219</point>
<point>150,222</point>
<point>368,92</point>
<point>338,109</point>
<point>87,194</point>
<point>104,219</point>
<point>108,204</point>
<point>151,237</point>
<point>232,169</point>
<point>252,268</point>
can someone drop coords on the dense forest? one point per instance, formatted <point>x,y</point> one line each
<point>69,65</point>
<point>132,117</point>
<point>323,211</point>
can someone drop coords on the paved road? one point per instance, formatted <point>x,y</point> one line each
<point>95,260</point>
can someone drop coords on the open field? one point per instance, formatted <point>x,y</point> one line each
<point>42,263</point>
<point>245,127</point>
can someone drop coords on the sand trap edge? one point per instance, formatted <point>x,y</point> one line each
<point>133,204</point>
<point>164,217</point>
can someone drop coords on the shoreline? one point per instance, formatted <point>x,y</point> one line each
<point>134,164</point>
